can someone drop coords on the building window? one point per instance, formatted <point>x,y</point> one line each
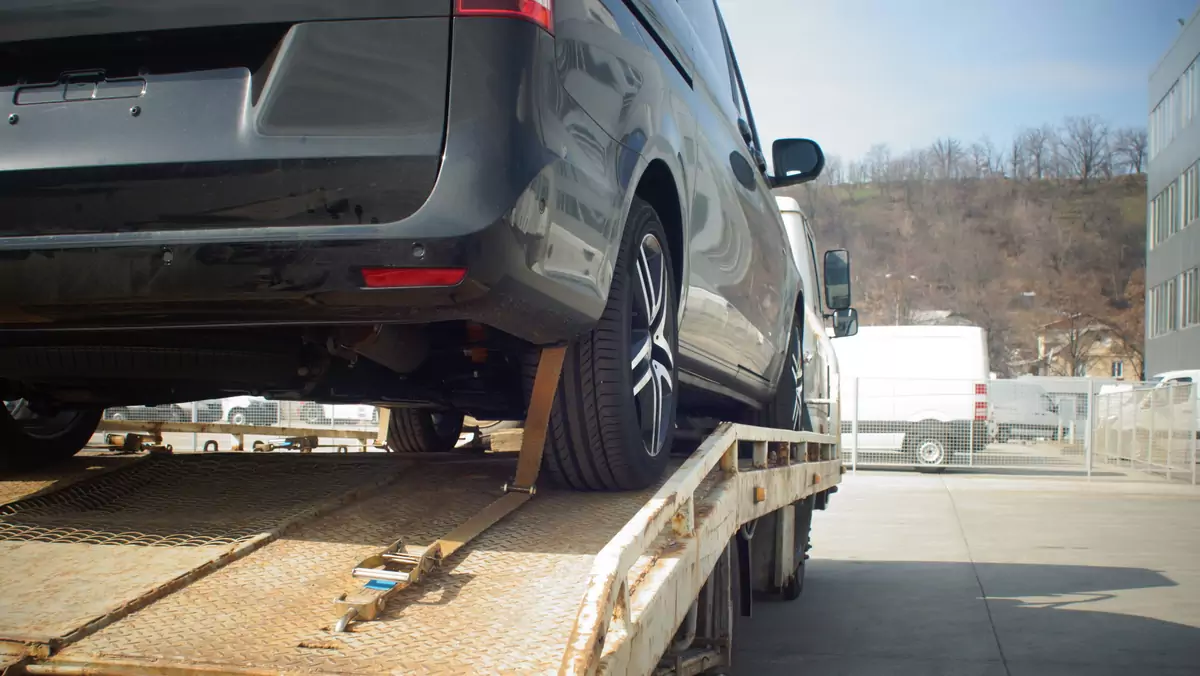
<point>1162,308</point>
<point>1189,298</point>
<point>1118,369</point>
<point>1164,214</point>
<point>1191,195</point>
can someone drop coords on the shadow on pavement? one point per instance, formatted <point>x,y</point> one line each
<point>888,617</point>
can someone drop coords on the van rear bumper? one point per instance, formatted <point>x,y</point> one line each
<point>487,212</point>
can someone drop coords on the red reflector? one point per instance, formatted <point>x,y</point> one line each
<point>391,278</point>
<point>980,389</point>
<point>980,417</point>
<point>980,404</point>
<point>540,12</point>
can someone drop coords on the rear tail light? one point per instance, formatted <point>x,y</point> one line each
<point>981,406</point>
<point>398,278</point>
<point>540,12</point>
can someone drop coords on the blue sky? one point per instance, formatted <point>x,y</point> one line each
<point>850,73</point>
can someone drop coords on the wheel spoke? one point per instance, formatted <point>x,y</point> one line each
<point>642,377</point>
<point>652,356</point>
<point>647,286</point>
<point>642,346</point>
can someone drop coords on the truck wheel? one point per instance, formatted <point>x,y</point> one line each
<point>614,414</point>
<point>29,440</point>
<point>931,451</point>
<point>118,414</point>
<point>786,410</point>
<point>927,443</point>
<point>419,430</point>
<point>794,587</point>
<point>238,417</point>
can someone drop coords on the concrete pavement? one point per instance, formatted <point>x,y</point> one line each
<point>972,574</point>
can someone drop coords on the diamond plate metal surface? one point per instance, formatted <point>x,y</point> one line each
<point>78,558</point>
<point>19,485</point>
<point>184,500</point>
<point>504,604</point>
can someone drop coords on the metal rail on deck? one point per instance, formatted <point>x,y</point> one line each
<point>154,430</point>
<point>608,596</point>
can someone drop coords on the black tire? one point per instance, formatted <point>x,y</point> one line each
<point>28,441</point>
<point>929,443</point>
<point>794,587</point>
<point>118,414</point>
<point>419,430</point>
<point>787,410</point>
<point>604,434</point>
<point>239,416</point>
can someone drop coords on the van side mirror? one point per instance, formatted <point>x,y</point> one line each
<point>845,323</point>
<point>837,279</point>
<point>797,160</point>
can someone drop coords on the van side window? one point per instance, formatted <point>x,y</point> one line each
<point>739,86</point>
<point>710,55</point>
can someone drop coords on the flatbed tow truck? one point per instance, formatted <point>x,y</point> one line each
<point>454,563</point>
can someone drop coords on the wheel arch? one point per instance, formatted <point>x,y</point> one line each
<point>658,187</point>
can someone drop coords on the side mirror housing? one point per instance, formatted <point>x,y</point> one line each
<point>845,323</point>
<point>797,160</point>
<point>837,279</point>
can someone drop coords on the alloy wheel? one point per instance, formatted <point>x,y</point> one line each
<point>796,364</point>
<point>653,360</point>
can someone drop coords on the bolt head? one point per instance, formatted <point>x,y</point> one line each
<point>14,118</point>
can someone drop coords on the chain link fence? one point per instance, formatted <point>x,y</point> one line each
<point>1149,428</point>
<point>942,423</point>
<point>275,417</point>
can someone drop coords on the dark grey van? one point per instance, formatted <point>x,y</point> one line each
<point>393,202</point>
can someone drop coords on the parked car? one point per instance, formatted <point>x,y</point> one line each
<point>920,391</point>
<point>160,413</point>
<point>325,414</point>
<point>247,410</point>
<point>1021,411</point>
<point>396,204</point>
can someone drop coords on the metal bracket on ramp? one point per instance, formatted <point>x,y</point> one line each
<point>399,566</point>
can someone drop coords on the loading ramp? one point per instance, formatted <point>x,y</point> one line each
<point>227,562</point>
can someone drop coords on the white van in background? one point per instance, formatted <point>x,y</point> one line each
<point>1022,411</point>
<point>920,391</point>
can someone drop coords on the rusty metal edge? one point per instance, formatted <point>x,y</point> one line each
<point>128,667</point>
<point>679,572</point>
<point>53,645</point>
<point>612,564</point>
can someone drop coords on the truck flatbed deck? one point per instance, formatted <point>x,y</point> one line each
<point>229,563</point>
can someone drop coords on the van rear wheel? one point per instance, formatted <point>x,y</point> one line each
<point>613,420</point>
<point>30,439</point>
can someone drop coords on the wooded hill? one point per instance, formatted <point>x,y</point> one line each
<point>1008,254</point>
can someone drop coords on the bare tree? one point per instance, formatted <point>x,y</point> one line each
<point>1016,158</point>
<point>1035,147</point>
<point>877,160</point>
<point>832,173</point>
<point>947,157</point>
<point>856,172</point>
<point>1129,149</point>
<point>1084,146</point>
